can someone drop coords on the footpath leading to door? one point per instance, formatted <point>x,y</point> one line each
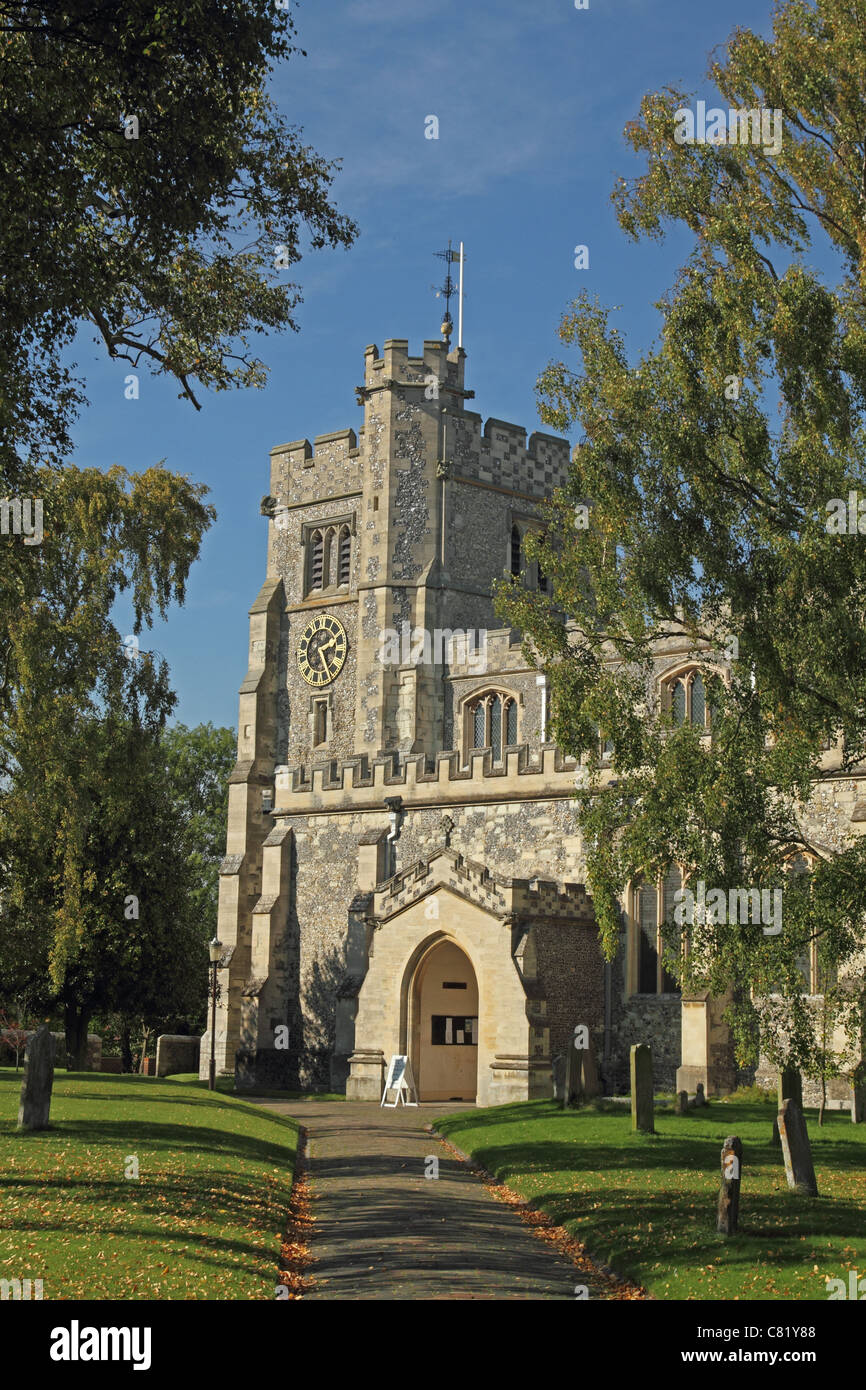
<point>382,1230</point>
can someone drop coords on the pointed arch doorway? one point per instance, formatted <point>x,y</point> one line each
<point>443,1023</point>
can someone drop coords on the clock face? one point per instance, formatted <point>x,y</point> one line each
<point>322,650</point>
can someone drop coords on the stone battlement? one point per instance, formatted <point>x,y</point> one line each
<point>500,455</point>
<point>325,447</point>
<point>302,472</point>
<point>396,367</point>
<point>524,772</point>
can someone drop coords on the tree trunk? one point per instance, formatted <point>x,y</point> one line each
<point>145,1039</point>
<point>125,1049</point>
<point>76,1021</point>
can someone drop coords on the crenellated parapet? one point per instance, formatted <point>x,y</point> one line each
<point>500,456</point>
<point>525,772</point>
<point>302,472</point>
<point>396,368</point>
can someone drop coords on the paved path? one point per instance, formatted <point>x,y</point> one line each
<point>384,1231</point>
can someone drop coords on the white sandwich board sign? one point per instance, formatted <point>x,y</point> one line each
<point>401,1081</point>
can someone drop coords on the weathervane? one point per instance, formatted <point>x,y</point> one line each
<point>450,257</point>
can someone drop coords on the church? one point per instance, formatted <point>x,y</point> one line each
<point>403,869</point>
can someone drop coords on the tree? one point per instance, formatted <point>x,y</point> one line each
<point>83,722</point>
<point>199,762</point>
<point>164,244</point>
<point>100,916</point>
<point>14,1034</point>
<point>708,468</point>
<point>152,191</point>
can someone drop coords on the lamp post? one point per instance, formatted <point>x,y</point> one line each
<point>216,950</point>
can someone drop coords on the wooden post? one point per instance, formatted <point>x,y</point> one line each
<point>729,1192</point>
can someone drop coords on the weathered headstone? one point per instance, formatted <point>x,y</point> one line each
<point>682,1105</point>
<point>590,1083</point>
<point>558,1070</point>
<point>700,1098</point>
<point>37,1081</point>
<point>790,1088</point>
<point>797,1151</point>
<point>642,1088</point>
<point>573,1093</point>
<point>176,1053</point>
<point>728,1213</point>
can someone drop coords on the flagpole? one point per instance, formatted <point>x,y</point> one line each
<point>460,302</point>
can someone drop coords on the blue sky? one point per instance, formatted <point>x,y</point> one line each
<point>532,99</point>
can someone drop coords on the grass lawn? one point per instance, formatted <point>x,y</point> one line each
<point>646,1204</point>
<point>205,1218</point>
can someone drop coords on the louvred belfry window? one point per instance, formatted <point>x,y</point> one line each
<point>345,556</point>
<point>328,563</point>
<point>516,558</point>
<point>317,558</point>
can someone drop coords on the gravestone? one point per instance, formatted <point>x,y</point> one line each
<point>176,1053</point>
<point>642,1088</point>
<point>700,1099</point>
<point>37,1081</point>
<point>797,1151</point>
<point>682,1105</point>
<point>790,1088</point>
<point>590,1083</point>
<point>571,1088</point>
<point>580,1074</point>
<point>728,1212</point>
<point>558,1070</point>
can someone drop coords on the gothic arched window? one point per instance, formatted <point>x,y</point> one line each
<point>328,555</point>
<point>496,726</point>
<point>479,725</point>
<point>511,721</point>
<point>317,555</point>
<point>652,905</point>
<point>487,718</point>
<point>699,701</point>
<point>542,577</point>
<point>345,557</point>
<point>817,975</point>
<point>516,557</point>
<point>684,696</point>
<point>328,565</point>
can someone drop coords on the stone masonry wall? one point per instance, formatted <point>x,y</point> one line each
<point>513,839</point>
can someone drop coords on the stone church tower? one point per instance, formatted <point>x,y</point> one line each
<point>403,872</point>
